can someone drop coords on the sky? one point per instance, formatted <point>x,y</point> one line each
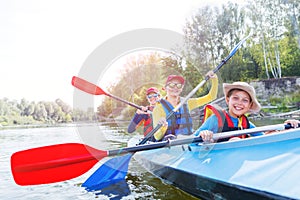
<point>43,43</point>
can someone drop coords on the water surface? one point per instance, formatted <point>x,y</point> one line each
<point>141,184</point>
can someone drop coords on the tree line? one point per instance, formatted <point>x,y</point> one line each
<point>24,112</point>
<point>272,52</point>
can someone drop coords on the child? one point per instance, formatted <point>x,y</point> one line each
<point>180,122</point>
<point>241,99</point>
<point>142,116</point>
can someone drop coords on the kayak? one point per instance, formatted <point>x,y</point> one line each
<point>261,167</point>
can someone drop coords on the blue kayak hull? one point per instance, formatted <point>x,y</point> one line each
<point>264,167</point>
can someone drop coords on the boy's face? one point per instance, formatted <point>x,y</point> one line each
<point>238,103</point>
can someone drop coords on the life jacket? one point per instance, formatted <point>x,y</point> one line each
<point>225,123</point>
<point>180,122</point>
<point>148,123</point>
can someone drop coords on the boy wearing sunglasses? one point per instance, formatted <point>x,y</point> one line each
<point>180,122</point>
<point>143,116</point>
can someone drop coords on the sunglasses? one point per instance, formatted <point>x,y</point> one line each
<point>173,85</point>
<point>152,95</point>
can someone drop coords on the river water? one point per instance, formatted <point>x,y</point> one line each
<point>141,184</point>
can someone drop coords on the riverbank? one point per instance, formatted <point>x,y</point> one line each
<point>29,126</point>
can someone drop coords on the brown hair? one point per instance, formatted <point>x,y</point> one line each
<point>237,89</point>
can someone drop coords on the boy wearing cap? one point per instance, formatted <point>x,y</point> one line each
<point>142,116</point>
<point>241,99</point>
<point>180,122</point>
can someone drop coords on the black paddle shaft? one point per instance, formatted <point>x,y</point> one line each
<point>124,101</point>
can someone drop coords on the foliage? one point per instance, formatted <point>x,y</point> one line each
<point>275,100</point>
<point>24,112</point>
<point>284,104</point>
<point>272,51</point>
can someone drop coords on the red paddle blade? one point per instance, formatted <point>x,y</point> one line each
<point>54,163</point>
<point>86,86</point>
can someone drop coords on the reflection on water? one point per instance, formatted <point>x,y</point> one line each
<point>153,188</point>
<point>116,191</point>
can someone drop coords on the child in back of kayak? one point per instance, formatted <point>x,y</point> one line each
<point>241,99</point>
<point>143,116</point>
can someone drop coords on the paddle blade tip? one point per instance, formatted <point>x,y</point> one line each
<point>73,80</point>
<point>86,86</point>
<point>54,163</point>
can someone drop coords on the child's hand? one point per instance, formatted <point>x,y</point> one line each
<point>211,74</point>
<point>294,123</point>
<point>207,136</point>
<point>143,111</point>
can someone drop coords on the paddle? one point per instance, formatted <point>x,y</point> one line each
<point>232,52</point>
<point>97,175</point>
<point>104,176</point>
<point>62,162</point>
<point>95,90</point>
<point>120,172</point>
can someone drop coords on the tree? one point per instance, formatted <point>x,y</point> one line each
<point>29,109</point>
<point>64,107</point>
<point>210,35</point>
<point>292,7</point>
<point>40,112</point>
<point>268,19</point>
<point>23,105</point>
<point>49,106</point>
<point>201,35</point>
